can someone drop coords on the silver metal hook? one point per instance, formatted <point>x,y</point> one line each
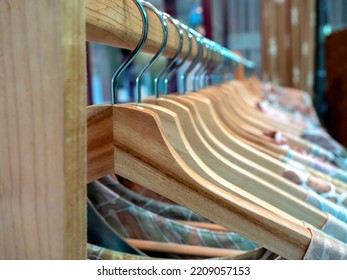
<point>179,50</point>
<point>200,66</point>
<point>227,61</point>
<point>203,65</point>
<point>219,70</point>
<point>173,71</point>
<point>209,65</point>
<point>198,39</point>
<point>133,54</point>
<point>216,63</point>
<point>158,54</point>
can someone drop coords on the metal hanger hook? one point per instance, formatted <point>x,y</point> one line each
<point>198,39</point>
<point>133,54</point>
<point>174,70</point>
<point>159,52</point>
<point>179,29</point>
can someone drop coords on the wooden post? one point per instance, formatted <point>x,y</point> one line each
<point>42,129</point>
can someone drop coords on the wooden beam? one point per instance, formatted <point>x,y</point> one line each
<point>42,130</point>
<point>118,23</point>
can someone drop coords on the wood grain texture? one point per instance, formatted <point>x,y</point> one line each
<point>118,23</point>
<point>244,184</point>
<point>42,130</point>
<point>182,146</point>
<point>257,160</point>
<point>99,141</point>
<point>209,226</point>
<point>156,165</point>
<point>222,145</point>
<point>249,113</point>
<point>254,163</point>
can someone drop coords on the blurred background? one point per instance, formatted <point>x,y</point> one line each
<point>295,43</point>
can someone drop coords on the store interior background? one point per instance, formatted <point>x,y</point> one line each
<point>294,43</point>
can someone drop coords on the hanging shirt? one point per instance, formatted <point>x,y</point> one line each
<point>131,221</point>
<point>171,211</point>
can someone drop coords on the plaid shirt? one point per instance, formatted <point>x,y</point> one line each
<point>131,221</point>
<point>171,211</point>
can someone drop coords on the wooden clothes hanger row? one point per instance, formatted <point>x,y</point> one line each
<point>133,141</point>
<point>157,166</point>
<point>234,174</point>
<point>244,103</point>
<point>277,153</point>
<point>100,28</point>
<point>297,142</point>
<point>300,193</point>
<point>298,99</point>
<point>257,127</point>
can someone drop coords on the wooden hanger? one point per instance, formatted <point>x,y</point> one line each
<point>232,127</point>
<point>249,97</point>
<point>196,138</point>
<point>222,142</point>
<point>290,131</point>
<point>238,94</point>
<point>202,225</point>
<point>256,190</point>
<point>256,89</point>
<point>283,151</point>
<point>190,118</point>
<point>252,93</point>
<point>236,123</point>
<point>251,184</point>
<point>100,233</point>
<point>211,105</point>
<point>244,148</point>
<point>243,93</point>
<point>190,250</point>
<point>144,155</point>
<point>231,173</point>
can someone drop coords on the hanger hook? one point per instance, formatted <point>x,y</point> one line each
<point>210,63</point>
<point>216,63</point>
<point>198,39</point>
<point>223,64</point>
<point>179,29</point>
<point>133,54</point>
<point>159,52</point>
<point>220,73</point>
<point>203,64</point>
<point>174,70</point>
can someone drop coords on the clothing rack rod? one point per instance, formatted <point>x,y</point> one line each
<point>119,24</point>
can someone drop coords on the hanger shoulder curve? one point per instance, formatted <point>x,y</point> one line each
<point>190,155</point>
<point>247,184</point>
<point>157,166</point>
